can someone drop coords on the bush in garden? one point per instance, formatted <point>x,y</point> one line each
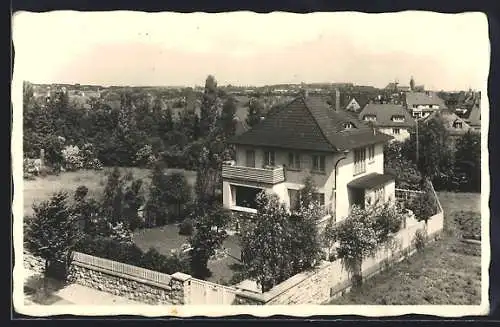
<point>186,227</point>
<point>423,205</point>
<point>89,157</point>
<point>420,239</point>
<point>72,159</point>
<point>145,156</point>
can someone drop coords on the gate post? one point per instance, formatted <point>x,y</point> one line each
<point>182,282</point>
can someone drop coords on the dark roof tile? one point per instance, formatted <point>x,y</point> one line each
<point>310,124</point>
<point>384,114</point>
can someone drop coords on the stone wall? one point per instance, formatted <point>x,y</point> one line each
<point>32,263</point>
<point>133,288</point>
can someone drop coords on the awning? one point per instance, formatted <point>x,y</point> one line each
<point>370,181</point>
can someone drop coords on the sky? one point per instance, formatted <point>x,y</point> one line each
<point>441,51</point>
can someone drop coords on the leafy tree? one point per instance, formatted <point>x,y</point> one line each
<point>305,242</point>
<point>52,232</point>
<point>255,112</point>
<point>306,195</point>
<point>133,200</point>
<point>227,122</point>
<point>265,244</point>
<point>404,171</point>
<point>424,204</point>
<point>112,202</point>
<point>156,210</point>
<point>435,157</point>
<point>209,235</point>
<point>468,161</point>
<point>209,110</point>
<point>177,192</point>
<point>357,240</point>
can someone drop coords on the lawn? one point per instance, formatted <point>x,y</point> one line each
<point>166,238</point>
<point>446,272</point>
<point>41,189</point>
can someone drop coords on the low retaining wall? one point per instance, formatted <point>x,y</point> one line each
<point>33,263</point>
<point>135,283</point>
<point>330,279</point>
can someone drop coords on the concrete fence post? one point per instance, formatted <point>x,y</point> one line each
<point>182,282</point>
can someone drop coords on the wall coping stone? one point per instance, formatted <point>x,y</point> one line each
<point>181,276</point>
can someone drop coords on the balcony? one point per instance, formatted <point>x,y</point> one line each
<point>259,175</point>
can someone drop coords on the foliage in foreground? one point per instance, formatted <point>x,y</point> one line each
<point>279,244</point>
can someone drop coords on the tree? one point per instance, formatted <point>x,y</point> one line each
<point>177,191</point>
<point>227,123</point>
<point>133,200</point>
<point>209,107</point>
<point>156,210</point>
<point>255,112</point>
<point>52,232</point>
<point>435,157</point>
<point>404,171</point>
<point>112,202</point>
<point>468,161</point>
<point>209,234</point>
<point>306,195</point>
<point>357,240</point>
<point>265,244</point>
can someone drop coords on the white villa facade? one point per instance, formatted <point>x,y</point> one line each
<point>343,155</point>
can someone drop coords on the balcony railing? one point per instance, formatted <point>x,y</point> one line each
<point>260,175</point>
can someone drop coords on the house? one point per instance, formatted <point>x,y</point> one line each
<point>455,125</point>
<point>357,102</point>
<point>422,104</point>
<point>392,119</point>
<point>306,137</point>
<point>474,118</point>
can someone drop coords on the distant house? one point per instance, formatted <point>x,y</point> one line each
<point>455,125</point>
<point>397,88</point>
<point>474,118</point>
<point>391,119</point>
<point>422,104</point>
<point>343,155</point>
<point>356,102</point>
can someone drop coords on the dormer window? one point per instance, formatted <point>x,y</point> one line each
<point>399,119</point>
<point>457,124</point>
<point>370,118</point>
<point>348,125</point>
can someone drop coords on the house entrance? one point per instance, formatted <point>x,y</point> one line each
<point>358,197</point>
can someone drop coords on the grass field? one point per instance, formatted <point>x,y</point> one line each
<point>166,238</point>
<point>446,272</point>
<point>41,189</point>
<point>163,239</point>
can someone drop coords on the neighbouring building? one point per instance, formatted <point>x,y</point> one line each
<point>474,117</point>
<point>357,102</point>
<point>391,119</point>
<point>306,137</point>
<point>422,104</point>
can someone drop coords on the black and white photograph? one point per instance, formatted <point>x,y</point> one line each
<point>215,164</point>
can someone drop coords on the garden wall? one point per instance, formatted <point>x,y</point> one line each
<point>143,285</point>
<point>330,279</point>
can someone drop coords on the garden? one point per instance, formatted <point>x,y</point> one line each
<point>447,272</point>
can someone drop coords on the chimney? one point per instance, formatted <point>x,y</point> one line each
<point>337,100</point>
<point>306,93</point>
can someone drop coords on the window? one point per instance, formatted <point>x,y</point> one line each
<point>319,163</point>
<point>371,153</point>
<point>348,125</point>
<point>370,118</point>
<point>359,161</point>
<point>250,156</point>
<point>396,131</point>
<point>293,160</point>
<point>398,119</point>
<point>269,158</point>
<point>457,124</point>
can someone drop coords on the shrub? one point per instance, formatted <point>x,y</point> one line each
<point>186,227</point>
<point>145,156</point>
<point>420,239</point>
<point>72,159</point>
